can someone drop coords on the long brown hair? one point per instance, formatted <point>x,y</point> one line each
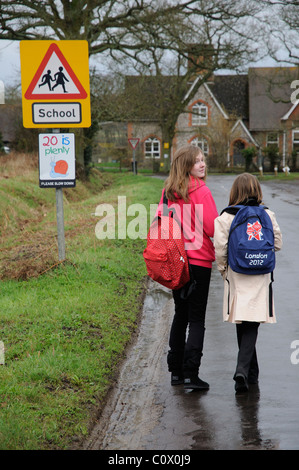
<point>244,187</point>
<point>177,184</point>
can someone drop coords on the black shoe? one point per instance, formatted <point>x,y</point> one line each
<point>176,379</point>
<point>241,384</point>
<point>195,383</point>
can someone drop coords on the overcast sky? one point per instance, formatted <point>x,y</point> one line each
<point>10,71</point>
<point>10,62</point>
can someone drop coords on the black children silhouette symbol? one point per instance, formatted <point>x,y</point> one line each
<point>46,80</point>
<point>59,79</point>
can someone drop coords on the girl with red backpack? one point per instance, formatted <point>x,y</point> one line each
<point>196,211</point>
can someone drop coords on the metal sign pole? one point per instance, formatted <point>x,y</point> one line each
<point>134,162</point>
<point>60,224</point>
<point>60,218</point>
<point>134,142</point>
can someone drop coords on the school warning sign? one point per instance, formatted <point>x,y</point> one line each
<point>55,84</point>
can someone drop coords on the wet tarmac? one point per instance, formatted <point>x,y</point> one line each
<point>145,412</point>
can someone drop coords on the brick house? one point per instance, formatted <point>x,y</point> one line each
<point>226,115</point>
<point>273,117</point>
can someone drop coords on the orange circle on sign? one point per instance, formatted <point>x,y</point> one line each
<point>61,167</point>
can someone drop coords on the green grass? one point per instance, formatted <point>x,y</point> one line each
<point>281,176</point>
<point>65,331</point>
<point>115,167</point>
<point>65,327</point>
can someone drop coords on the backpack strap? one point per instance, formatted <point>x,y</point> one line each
<point>167,210</point>
<point>234,209</point>
<point>271,296</point>
<point>165,204</point>
<point>188,288</point>
<point>165,200</point>
<point>231,209</point>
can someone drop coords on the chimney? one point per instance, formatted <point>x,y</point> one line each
<point>200,59</point>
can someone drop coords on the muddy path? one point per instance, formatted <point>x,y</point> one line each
<point>132,411</point>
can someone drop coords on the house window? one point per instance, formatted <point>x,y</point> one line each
<point>272,139</point>
<point>202,143</point>
<point>152,148</point>
<point>296,140</point>
<point>199,114</point>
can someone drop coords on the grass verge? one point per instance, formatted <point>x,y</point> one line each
<point>65,326</point>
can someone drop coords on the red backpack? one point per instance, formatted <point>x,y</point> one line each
<point>165,256</point>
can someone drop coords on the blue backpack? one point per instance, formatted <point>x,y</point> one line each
<point>251,240</point>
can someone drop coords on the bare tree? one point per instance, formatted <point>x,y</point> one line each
<point>280,21</point>
<point>213,35</point>
<point>130,26</point>
<point>155,35</point>
<point>106,25</point>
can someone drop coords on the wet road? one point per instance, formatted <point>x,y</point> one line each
<point>146,413</point>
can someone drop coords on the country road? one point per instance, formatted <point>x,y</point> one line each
<point>145,412</point>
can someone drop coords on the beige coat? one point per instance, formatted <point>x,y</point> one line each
<point>246,297</point>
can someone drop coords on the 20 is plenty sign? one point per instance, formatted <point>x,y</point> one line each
<point>57,160</point>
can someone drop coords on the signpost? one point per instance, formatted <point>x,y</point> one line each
<point>55,94</point>
<point>134,142</point>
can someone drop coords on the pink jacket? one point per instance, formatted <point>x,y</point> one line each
<point>197,221</point>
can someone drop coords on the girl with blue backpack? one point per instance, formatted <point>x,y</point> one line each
<point>246,238</point>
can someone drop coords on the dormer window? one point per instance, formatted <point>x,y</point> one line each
<point>199,114</point>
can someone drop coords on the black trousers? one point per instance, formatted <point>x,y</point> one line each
<point>184,356</point>
<point>247,363</point>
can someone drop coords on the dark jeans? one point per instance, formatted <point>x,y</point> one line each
<point>185,354</point>
<point>247,359</point>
